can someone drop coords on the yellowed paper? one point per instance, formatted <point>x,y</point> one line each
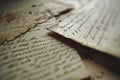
<point>96,25</point>
<point>14,22</point>
<point>38,56</point>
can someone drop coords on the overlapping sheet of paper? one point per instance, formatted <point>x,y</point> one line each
<point>14,22</point>
<point>96,25</point>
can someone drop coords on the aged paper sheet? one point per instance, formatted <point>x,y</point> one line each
<point>96,25</point>
<point>38,56</point>
<point>14,22</point>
